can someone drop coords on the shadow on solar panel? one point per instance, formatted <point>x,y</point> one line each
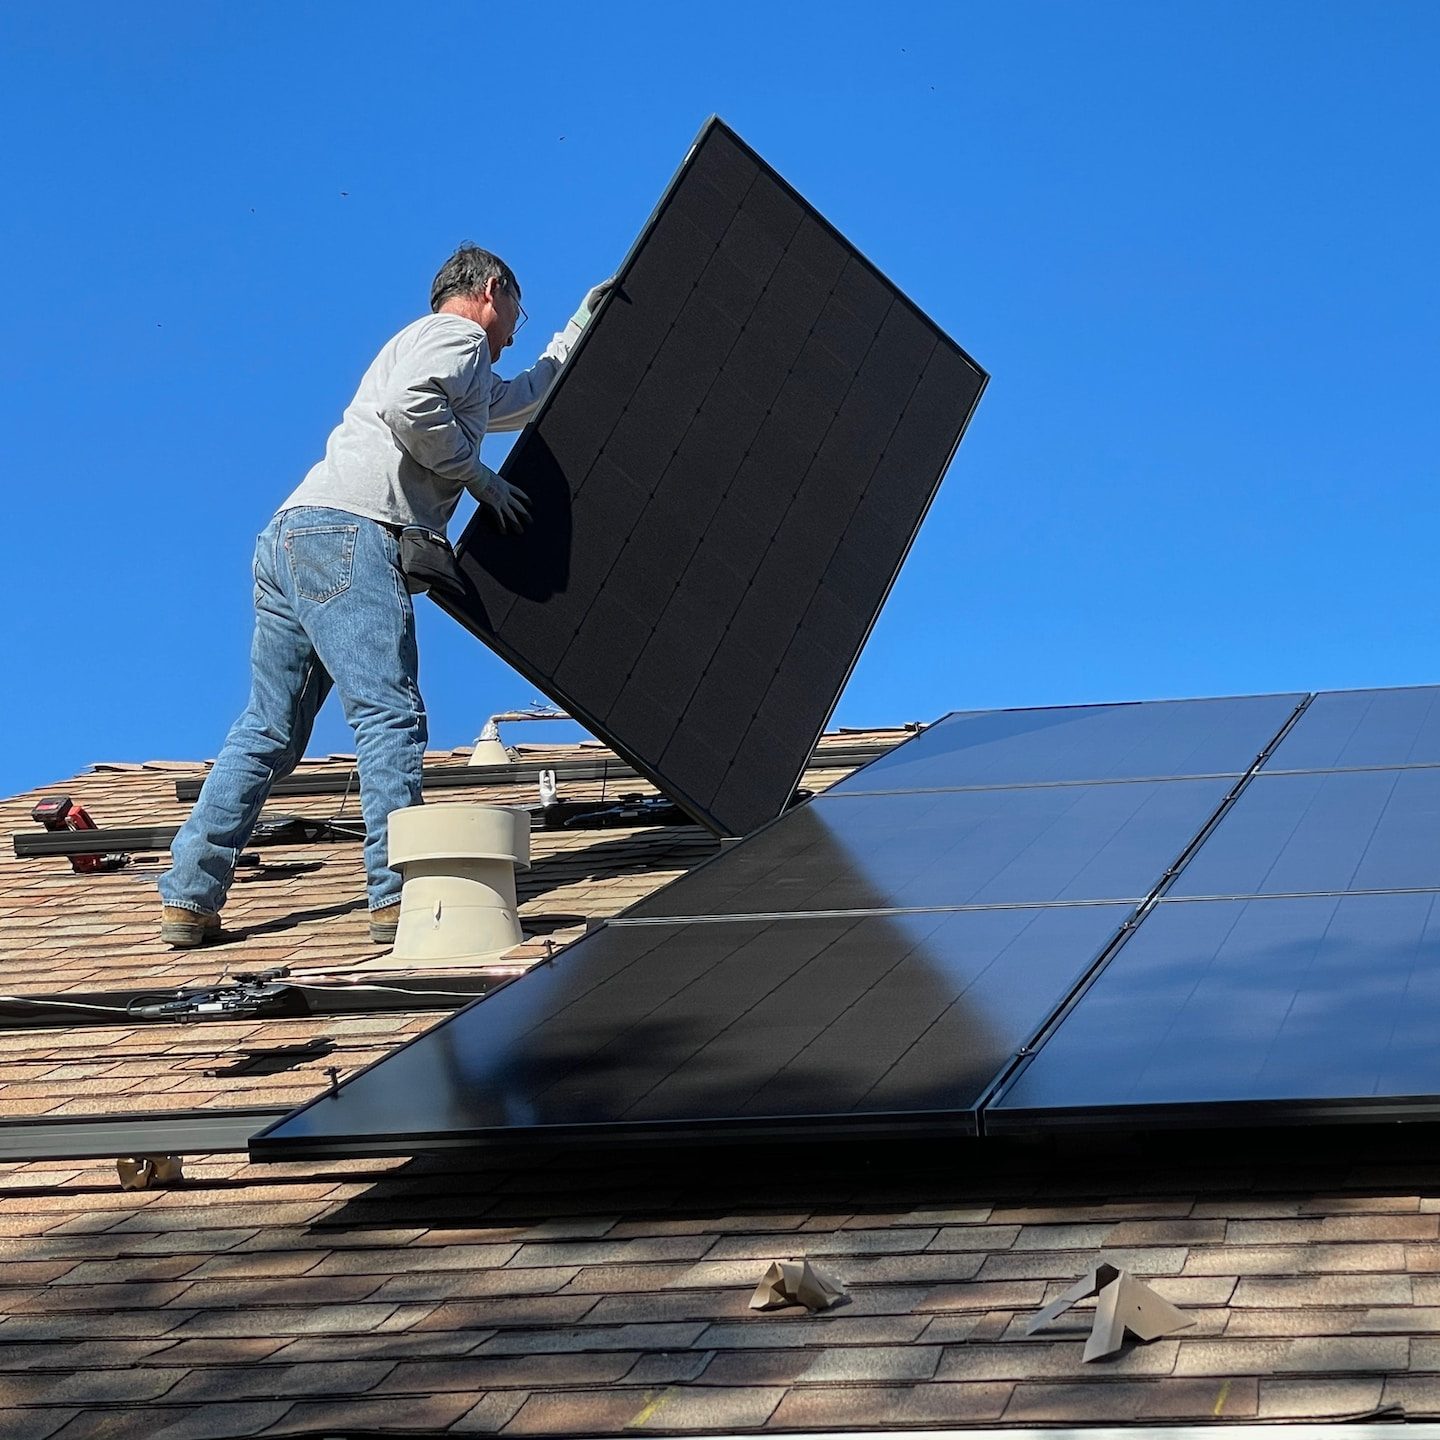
<point>724,480</point>
<point>803,1024</point>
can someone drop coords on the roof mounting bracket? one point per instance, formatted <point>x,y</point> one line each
<point>1123,1304</point>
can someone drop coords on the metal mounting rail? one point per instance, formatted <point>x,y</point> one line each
<point>38,844</point>
<point>460,777</point>
<point>30,844</point>
<point>122,839</point>
<point>104,1137</point>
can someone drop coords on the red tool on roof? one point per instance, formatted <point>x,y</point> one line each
<point>58,813</point>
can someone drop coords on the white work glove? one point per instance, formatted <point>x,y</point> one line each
<point>506,500</point>
<point>591,303</point>
<point>565,340</point>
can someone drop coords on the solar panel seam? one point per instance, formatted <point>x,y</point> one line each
<point>837,794</point>
<point>1356,769</point>
<point>1300,894</point>
<point>1006,1079</point>
<point>879,910</point>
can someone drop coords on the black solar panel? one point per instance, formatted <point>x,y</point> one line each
<point>870,1022</point>
<point>1327,831</point>
<point>1046,844</point>
<point>1170,738</point>
<point>724,482</point>
<point>1294,1009</point>
<point>1315,1002</point>
<point>1350,728</point>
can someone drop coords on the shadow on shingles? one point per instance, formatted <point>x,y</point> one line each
<point>548,924</point>
<point>629,854</point>
<point>274,1060</point>
<point>278,870</point>
<point>880,1178</point>
<point>286,922</point>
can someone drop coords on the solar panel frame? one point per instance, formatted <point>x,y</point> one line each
<point>731,782</point>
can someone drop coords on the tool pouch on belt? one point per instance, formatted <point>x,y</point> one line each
<point>428,563</point>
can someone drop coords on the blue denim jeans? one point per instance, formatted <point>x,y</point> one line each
<point>331,607</point>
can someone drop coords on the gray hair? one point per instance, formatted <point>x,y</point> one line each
<point>467,272</point>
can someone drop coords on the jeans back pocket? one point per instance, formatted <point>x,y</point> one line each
<point>322,560</point>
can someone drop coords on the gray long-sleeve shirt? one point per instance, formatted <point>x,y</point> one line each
<point>409,442</point>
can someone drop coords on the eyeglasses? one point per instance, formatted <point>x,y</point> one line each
<point>521,316</point>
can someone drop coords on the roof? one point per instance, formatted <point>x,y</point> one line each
<point>606,1292</point>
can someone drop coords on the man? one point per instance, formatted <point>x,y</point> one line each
<point>331,603</point>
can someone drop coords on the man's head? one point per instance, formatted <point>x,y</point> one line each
<point>483,288</point>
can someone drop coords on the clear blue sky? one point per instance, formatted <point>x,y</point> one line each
<point>1194,243</point>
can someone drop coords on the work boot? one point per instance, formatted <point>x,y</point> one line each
<point>383,924</point>
<point>183,929</point>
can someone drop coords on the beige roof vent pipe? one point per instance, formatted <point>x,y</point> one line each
<point>458,903</point>
<point>490,749</point>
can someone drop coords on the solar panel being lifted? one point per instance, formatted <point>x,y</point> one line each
<point>724,482</point>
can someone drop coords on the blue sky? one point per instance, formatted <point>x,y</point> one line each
<point>1193,243</point>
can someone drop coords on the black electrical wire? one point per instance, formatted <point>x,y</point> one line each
<point>169,996</point>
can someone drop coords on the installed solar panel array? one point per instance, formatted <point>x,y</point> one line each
<point>1292,972</point>
<point>1182,912</point>
<point>724,483</point>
